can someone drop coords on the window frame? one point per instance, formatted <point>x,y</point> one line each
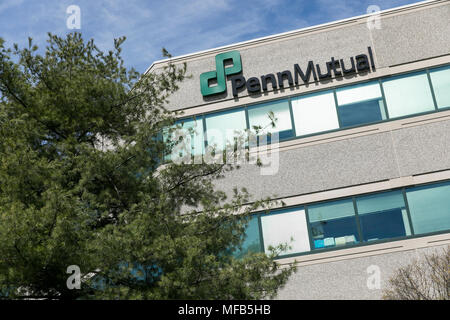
<point>219,113</point>
<point>429,71</point>
<point>425,186</point>
<point>402,191</point>
<point>248,108</point>
<point>404,75</point>
<point>382,98</point>
<point>355,215</point>
<point>279,211</point>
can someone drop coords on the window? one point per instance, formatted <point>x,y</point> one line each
<point>440,79</point>
<point>259,116</point>
<point>429,207</point>
<point>383,216</point>
<point>194,127</point>
<point>360,104</point>
<point>333,224</point>
<point>280,227</point>
<point>223,127</point>
<point>408,94</point>
<point>252,241</point>
<point>314,113</point>
<point>191,132</point>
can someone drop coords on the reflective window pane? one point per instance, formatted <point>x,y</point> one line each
<point>252,238</point>
<point>279,228</point>
<point>440,79</point>
<point>194,127</point>
<point>333,223</point>
<point>315,113</point>
<point>407,95</point>
<point>223,127</point>
<point>383,216</point>
<point>429,207</point>
<point>259,116</point>
<point>188,133</point>
<point>360,104</point>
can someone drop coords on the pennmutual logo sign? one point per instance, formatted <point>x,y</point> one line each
<point>333,68</point>
<point>220,73</point>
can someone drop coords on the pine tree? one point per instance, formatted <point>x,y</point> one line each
<point>82,184</point>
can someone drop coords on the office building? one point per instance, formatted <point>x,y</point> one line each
<point>363,120</point>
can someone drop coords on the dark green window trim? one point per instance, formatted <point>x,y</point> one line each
<point>358,223</point>
<point>384,100</point>
<point>308,224</point>
<point>247,119</point>
<point>432,91</point>
<point>204,132</point>
<point>337,110</point>
<point>261,237</point>
<point>407,211</point>
<point>291,113</point>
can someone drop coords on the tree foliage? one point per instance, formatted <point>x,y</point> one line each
<point>425,279</point>
<point>81,183</point>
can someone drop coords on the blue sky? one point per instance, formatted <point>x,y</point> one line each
<point>181,26</point>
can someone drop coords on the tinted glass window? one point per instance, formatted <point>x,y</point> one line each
<point>314,113</point>
<point>429,207</point>
<point>252,241</point>
<point>194,128</point>
<point>360,104</point>
<point>281,228</point>
<point>408,94</point>
<point>333,224</point>
<point>221,128</point>
<point>383,216</point>
<point>187,136</point>
<point>259,116</point>
<point>440,79</point>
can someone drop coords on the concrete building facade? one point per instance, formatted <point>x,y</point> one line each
<point>364,141</point>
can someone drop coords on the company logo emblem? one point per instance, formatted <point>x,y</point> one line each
<point>220,73</point>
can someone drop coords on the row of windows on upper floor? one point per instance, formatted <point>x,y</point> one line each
<point>351,221</point>
<point>349,106</point>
